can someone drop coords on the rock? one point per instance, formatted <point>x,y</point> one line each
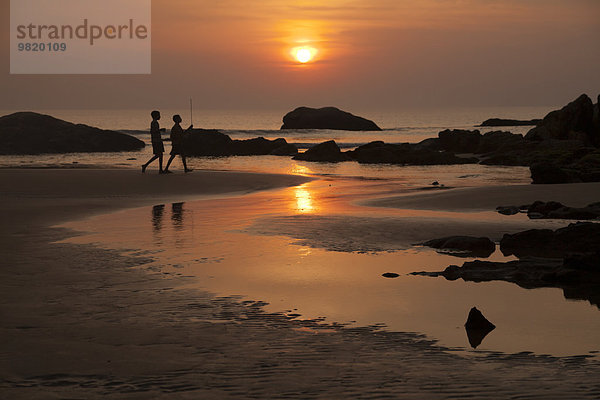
<point>323,152</point>
<point>552,174</point>
<point>285,150</point>
<point>510,122</point>
<point>581,237</point>
<point>499,141</point>
<point>464,246</point>
<point>33,133</point>
<point>477,327</point>
<point>508,210</point>
<point>578,276</point>
<point>476,320</point>
<point>574,121</point>
<point>405,153</point>
<point>208,142</point>
<point>326,118</point>
<point>460,141</point>
<point>258,146</point>
<point>555,210</point>
<point>390,275</point>
<point>543,208</point>
<point>586,262</point>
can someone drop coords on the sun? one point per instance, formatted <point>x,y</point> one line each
<point>304,54</point>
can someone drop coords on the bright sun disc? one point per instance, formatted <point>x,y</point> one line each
<point>304,54</point>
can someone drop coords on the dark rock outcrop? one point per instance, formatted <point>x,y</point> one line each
<point>323,152</point>
<point>578,276</point>
<point>405,153</point>
<point>33,133</point>
<point>204,142</point>
<point>574,121</point>
<point>509,122</point>
<point>477,327</point>
<point>460,141</point>
<point>581,237</point>
<point>390,275</point>
<point>552,174</point>
<point>464,246</point>
<point>508,210</point>
<point>326,118</point>
<point>555,210</point>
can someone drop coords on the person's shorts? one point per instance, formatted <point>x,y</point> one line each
<point>158,148</point>
<point>176,149</point>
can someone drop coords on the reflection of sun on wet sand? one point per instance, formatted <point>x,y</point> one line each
<point>90,325</point>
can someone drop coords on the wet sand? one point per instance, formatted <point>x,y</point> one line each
<point>79,321</point>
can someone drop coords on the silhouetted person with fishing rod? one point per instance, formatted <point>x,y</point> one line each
<point>177,143</point>
<point>157,144</point>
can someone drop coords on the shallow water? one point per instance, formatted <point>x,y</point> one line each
<point>311,250</point>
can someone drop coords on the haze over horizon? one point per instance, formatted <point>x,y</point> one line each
<point>377,54</point>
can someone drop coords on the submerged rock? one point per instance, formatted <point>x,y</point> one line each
<point>510,122</point>
<point>464,246</point>
<point>508,210</point>
<point>326,118</point>
<point>33,133</point>
<point>324,152</point>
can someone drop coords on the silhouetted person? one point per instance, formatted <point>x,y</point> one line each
<point>157,144</point>
<point>177,146</point>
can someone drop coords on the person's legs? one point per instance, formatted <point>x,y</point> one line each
<point>148,163</point>
<point>185,168</point>
<point>170,161</point>
<point>160,162</point>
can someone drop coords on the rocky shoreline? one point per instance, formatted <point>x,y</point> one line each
<point>566,258</point>
<point>562,148</point>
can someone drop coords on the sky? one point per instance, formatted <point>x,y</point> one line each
<point>369,55</point>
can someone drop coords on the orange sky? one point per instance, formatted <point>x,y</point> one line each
<point>372,54</point>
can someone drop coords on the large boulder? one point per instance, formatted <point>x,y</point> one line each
<point>323,152</point>
<point>261,146</point>
<point>464,246</point>
<point>542,173</point>
<point>209,142</point>
<point>326,118</point>
<point>499,141</point>
<point>459,140</point>
<point>33,133</point>
<point>581,237</point>
<point>574,121</point>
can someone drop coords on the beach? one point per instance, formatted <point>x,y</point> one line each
<point>81,320</point>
